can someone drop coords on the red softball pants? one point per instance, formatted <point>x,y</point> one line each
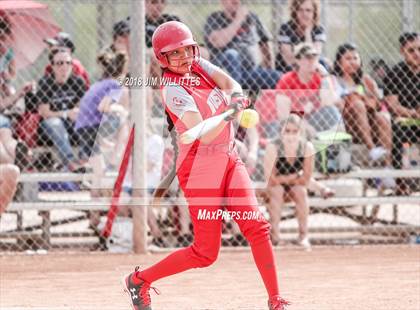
<point>214,178</point>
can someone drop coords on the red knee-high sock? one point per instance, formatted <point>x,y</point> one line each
<point>264,259</point>
<point>175,262</point>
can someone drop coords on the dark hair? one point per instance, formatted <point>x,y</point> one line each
<point>112,63</point>
<point>55,52</point>
<point>341,50</point>
<point>377,63</point>
<point>5,27</point>
<point>407,37</point>
<point>121,28</point>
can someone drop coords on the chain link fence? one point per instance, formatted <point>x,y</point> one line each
<point>65,119</point>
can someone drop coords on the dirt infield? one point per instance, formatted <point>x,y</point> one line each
<point>373,278</point>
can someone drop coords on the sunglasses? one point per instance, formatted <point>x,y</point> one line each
<point>61,63</point>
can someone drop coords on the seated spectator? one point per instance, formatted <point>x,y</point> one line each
<point>58,95</point>
<point>402,95</point>
<point>288,167</point>
<point>63,40</point>
<point>300,89</point>
<point>379,70</point>
<point>121,37</point>
<point>9,146</point>
<point>155,17</point>
<point>303,27</point>
<point>238,42</point>
<point>9,175</point>
<point>360,104</point>
<point>103,114</point>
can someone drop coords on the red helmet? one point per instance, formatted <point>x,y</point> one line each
<point>168,37</point>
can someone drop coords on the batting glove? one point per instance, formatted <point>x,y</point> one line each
<point>238,102</point>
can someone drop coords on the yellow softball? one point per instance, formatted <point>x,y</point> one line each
<point>248,118</point>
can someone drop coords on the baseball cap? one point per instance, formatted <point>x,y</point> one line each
<point>61,40</point>
<point>121,28</point>
<point>304,49</point>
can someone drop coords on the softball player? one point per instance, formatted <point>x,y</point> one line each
<point>209,170</point>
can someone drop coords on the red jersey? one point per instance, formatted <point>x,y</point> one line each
<point>304,97</point>
<point>196,93</point>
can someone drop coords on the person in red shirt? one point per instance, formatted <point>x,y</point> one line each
<point>301,90</point>
<point>211,174</point>
<point>63,40</point>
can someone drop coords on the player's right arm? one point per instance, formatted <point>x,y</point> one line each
<point>183,105</point>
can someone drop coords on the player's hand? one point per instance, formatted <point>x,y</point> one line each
<point>238,102</point>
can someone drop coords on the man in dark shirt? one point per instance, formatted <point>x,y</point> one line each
<point>402,94</point>
<point>155,17</point>
<point>58,98</point>
<point>238,41</point>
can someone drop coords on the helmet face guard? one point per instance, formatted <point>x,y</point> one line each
<point>177,63</point>
<point>170,36</point>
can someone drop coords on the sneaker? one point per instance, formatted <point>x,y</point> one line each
<point>139,293</point>
<point>377,153</point>
<point>277,303</point>
<point>305,244</point>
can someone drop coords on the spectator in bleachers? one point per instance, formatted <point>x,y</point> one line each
<point>238,41</point>
<point>59,95</point>
<point>156,17</point>
<point>121,37</point>
<point>300,89</point>
<point>9,175</point>
<point>402,95</point>
<point>63,40</point>
<point>288,167</point>
<point>303,27</point>
<point>379,70</point>
<point>9,146</point>
<point>360,103</point>
<point>103,114</point>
